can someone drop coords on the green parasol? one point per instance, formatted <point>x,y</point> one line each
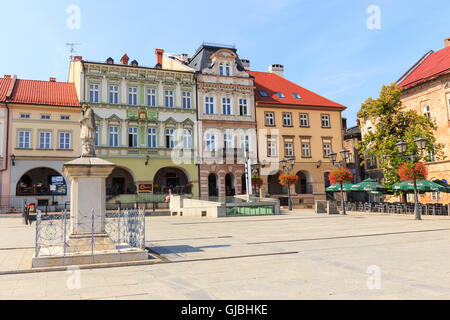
<point>442,183</point>
<point>336,187</point>
<point>368,185</point>
<point>422,186</point>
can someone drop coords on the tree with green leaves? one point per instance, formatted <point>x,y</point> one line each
<point>393,124</point>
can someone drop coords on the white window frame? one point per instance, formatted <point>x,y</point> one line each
<point>228,141</point>
<point>326,123</point>
<point>272,147</point>
<point>152,138</point>
<point>304,120</point>
<point>94,93</point>
<point>187,138</point>
<point>243,105</point>
<point>210,142</point>
<point>151,97</point>
<point>113,94</point>
<point>306,148</point>
<point>64,140</point>
<point>209,105</point>
<point>45,140</point>
<point>24,139</point>
<point>226,106</point>
<point>25,116</point>
<point>113,136</point>
<point>134,131</point>
<point>133,96</point>
<point>65,117</point>
<point>168,98</point>
<point>270,116</point>
<point>170,134</point>
<point>287,119</point>
<point>187,100</point>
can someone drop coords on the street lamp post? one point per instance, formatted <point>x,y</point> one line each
<point>344,154</point>
<point>287,166</point>
<point>402,147</point>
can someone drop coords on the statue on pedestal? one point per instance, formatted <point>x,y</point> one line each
<point>87,134</point>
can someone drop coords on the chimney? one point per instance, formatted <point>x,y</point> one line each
<point>52,79</point>
<point>159,58</point>
<point>447,42</point>
<point>246,64</point>
<point>277,69</point>
<point>110,61</point>
<point>77,58</point>
<point>7,76</point>
<point>124,60</point>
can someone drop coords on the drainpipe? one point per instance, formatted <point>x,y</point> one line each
<point>5,167</point>
<point>198,134</point>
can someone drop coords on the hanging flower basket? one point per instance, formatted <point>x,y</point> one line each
<point>340,176</point>
<point>410,171</point>
<point>288,179</point>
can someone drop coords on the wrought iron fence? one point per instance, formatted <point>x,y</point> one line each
<point>124,229</point>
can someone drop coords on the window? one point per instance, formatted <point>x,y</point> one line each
<point>151,97</point>
<point>245,142</point>
<point>170,140</point>
<point>64,140</point>
<point>436,196</point>
<point>93,93</point>
<point>304,120</point>
<point>114,94</point>
<point>45,140</point>
<point>96,135</point>
<point>224,69</point>
<point>133,137</point>
<point>288,147</point>
<point>209,105</point>
<point>297,96</point>
<point>226,106</point>
<point>65,118</point>
<point>24,116</point>
<point>114,136</point>
<point>325,121</point>
<point>270,119</point>
<point>45,117</point>
<point>306,148</point>
<point>132,96</point>
<point>151,138</point>
<point>372,161</point>
<point>280,95</point>
<point>210,142</point>
<point>187,139</point>
<point>287,119</point>
<point>186,100</point>
<point>272,147</point>
<point>427,112</point>
<point>326,147</point>
<point>350,157</point>
<point>169,98</point>
<point>243,107</point>
<point>228,141</point>
<point>24,140</point>
<point>263,94</point>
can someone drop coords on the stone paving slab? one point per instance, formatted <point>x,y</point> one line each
<point>329,257</point>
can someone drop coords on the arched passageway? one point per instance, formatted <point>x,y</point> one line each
<point>120,181</point>
<point>171,178</point>
<point>41,181</point>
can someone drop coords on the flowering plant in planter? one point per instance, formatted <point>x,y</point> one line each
<point>288,179</point>
<point>413,171</point>
<point>257,181</point>
<point>340,175</point>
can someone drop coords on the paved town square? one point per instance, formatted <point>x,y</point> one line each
<point>301,255</point>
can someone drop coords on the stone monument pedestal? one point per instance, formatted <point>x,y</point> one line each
<point>88,242</point>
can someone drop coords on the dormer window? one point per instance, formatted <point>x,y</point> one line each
<point>224,69</point>
<point>296,96</point>
<point>263,94</point>
<point>280,95</point>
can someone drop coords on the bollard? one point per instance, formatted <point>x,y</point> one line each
<point>92,231</point>
<point>38,222</point>
<point>64,240</point>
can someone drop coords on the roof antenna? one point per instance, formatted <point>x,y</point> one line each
<point>71,49</point>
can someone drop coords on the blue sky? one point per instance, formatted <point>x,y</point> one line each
<point>325,46</point>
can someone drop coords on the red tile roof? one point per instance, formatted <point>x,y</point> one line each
<point>272,83</point>
<point>431,66</point>
<point>40,92</point>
